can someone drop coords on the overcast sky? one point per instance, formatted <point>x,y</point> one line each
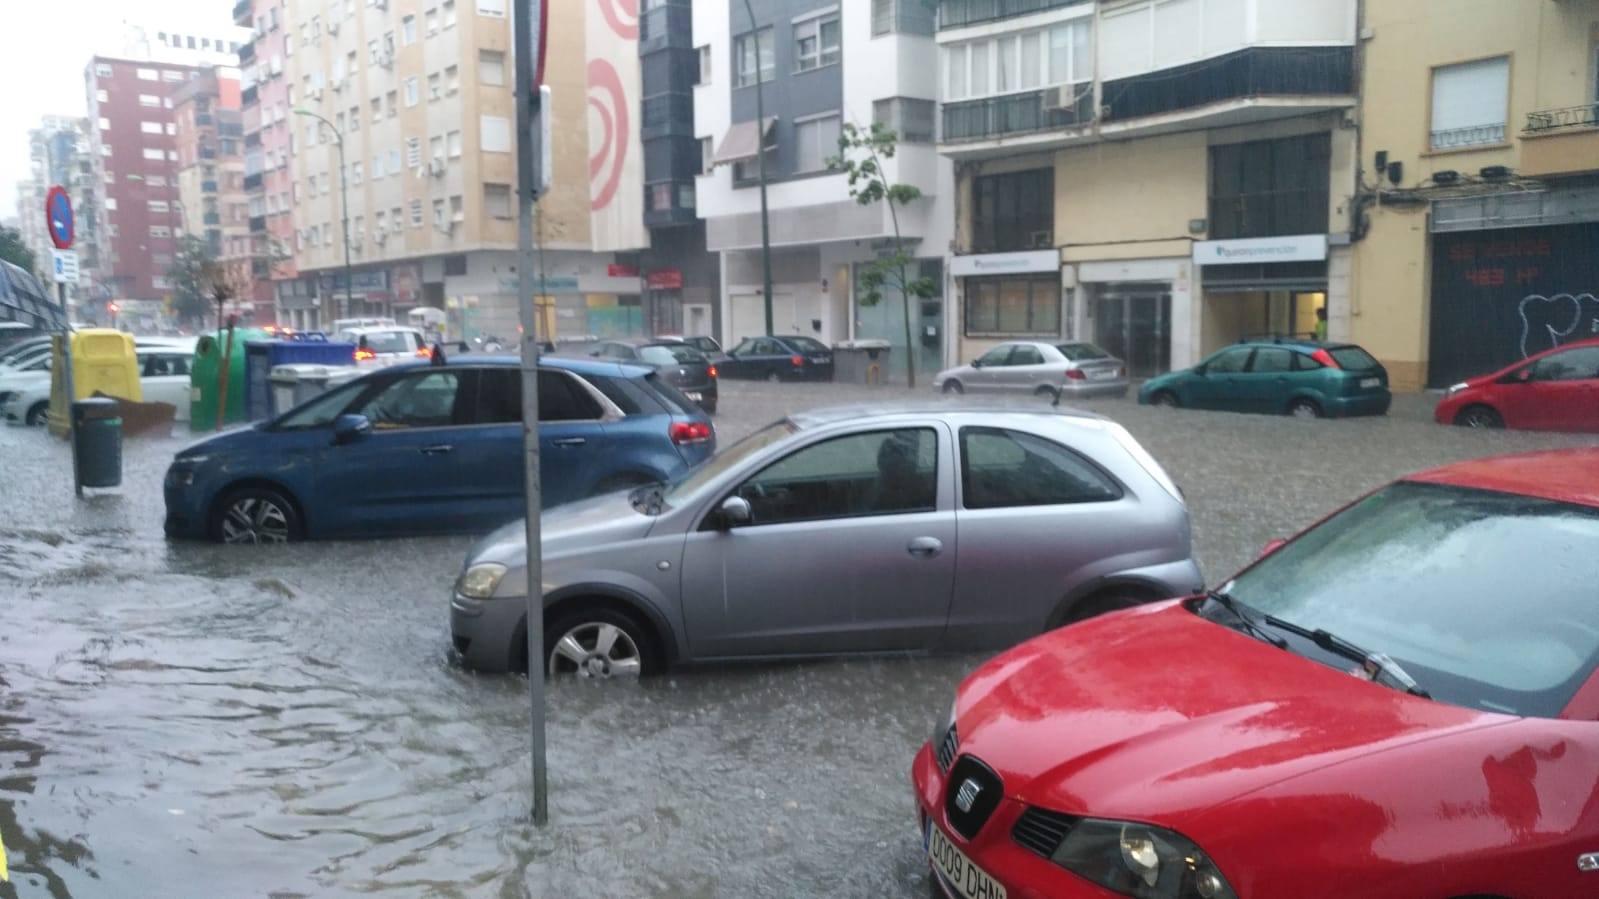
<point>44,45</point>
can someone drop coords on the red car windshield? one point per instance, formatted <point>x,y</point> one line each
<point>1486,599</point>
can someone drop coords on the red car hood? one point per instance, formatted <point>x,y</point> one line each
<point>1155,712</point>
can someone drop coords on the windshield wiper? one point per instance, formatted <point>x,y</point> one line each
<point>1245,617</point>
<point>1378,667</point>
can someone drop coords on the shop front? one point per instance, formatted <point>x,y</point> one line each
<point>1262,287</point>
<point>1137,310</point>
<point>1008,296</point>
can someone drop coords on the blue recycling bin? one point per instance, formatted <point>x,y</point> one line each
<point>263,355</point>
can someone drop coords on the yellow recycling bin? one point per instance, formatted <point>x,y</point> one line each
<point>103,362</point>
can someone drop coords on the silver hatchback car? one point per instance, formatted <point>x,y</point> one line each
<point>1050,370</point>
<point>841,531</point>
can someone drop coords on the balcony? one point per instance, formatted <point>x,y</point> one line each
<point>1561,141</point>
<point>1254,84</point>
<point>243,14</point>
<point>1055,113</point>
<point>211,218</point>
<point>252,182</point>
<point>960,13</point>
<point>664,115</point>
<point>208,187</point>
<point>666,26</point>
<point>246,53</point>
<point>258,224</point>
<point>248,97</point>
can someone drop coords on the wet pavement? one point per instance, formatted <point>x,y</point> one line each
<point>188,720</point>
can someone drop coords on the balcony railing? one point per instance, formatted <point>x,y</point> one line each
<point>667,113</point>
<point>666,26</point>
<point>208,187</point>
<point>1566,119</point>
<point>1245,74</point>
<point>957,13</point>
<point>248,96</point>
<point>1023,113</point>
<point>258,224</point>
<point>241,13</point>
<point>252,182</point>
<point>246,53</point>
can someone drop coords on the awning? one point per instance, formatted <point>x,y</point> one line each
<point>742,142</point>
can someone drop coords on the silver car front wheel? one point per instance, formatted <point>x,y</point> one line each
<point>596,649</point>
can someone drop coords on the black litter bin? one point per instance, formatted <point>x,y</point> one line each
<point>97,442</point>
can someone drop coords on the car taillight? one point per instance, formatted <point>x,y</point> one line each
<point>797,360</point>
<point>1325,358</point>
<point>423,352</point>
<point>690,432</point>
<point>711,371</point>
<point>1075,374</point>
<point>1121,372</point>
<point>361,355</point>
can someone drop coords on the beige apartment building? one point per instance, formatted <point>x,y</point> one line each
<point>1479,242</point>
<point>212,205</point>
<point>421,92</point>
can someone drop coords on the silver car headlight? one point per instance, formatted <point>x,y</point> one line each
<point>1141,861</point>
<point>481,580</point>
<point>1456,388</point>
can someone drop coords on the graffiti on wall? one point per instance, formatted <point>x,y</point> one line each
<point>1550,321</point>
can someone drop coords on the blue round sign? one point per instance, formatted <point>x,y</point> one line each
<point>58,218</point>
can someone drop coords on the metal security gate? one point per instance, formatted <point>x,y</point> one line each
<point>1503,295</point>
<point>1133,322</point>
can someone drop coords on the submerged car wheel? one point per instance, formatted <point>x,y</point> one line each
<point>1479,417</point>
<point>37,414</point>
<point>598,643</point>
<point>1047,392</point>
<point>953,386</point>
<point>1165,399</point>
<point>773,377</point>
<point>1304,409</point>
<point>255,515</point>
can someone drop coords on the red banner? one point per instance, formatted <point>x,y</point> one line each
<point>617,270</point>
<point>665,279</point>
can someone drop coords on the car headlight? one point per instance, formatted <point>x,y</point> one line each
<point>1141,861</point>
<point>1456,388</point>
<point>481,580</point>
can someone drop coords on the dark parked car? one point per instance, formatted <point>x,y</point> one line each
<point>779,359</point>
<point>679,364</point>
<point>1303,378</point>
<point>433,448</point>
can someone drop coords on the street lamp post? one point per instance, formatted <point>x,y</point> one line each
<point>344,199</point>
<point>760,167</point>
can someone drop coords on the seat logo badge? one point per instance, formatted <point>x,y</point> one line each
<point>966,797</point>
<point>1588,861</point>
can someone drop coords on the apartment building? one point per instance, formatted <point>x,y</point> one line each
<point>266,116</point>
<point>419,95</point>
<point>212,204</point>
<point>59,154</point>
<point>822,64</point>
<point>1479,190</point>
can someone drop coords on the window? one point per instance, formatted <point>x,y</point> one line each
<point>1071,54</point>
<point>1228,361</point>
<point>438,214</point>
<point>1013,305</point>
<point>355,173</point>
<point>1269,187</point>
<point>394,161</point>
<point>150,128</point>
<point>1470,102</point>
<point>912,121</point>
<point>1272,360</point>
<point>496,200</point>
<point>704,55</point>
<point>452,141</point>
<point>416,214</point>
<point>413,91</point>
<point>1024,354</point>
<point>377,166</point>
<point>149,75</point>
<point>877,473</point>
<point>436,148</point>
<point>998,357</point>
<point>101,70</point>
<point>562,398</point>
<point>377,109</point>
<point>955,72</point>
<point>449,13</point>
<point>413,152</point>
<point>816,141</point>
<point>161,365</point>
<point>1003,469</point>
<point>394,103</point>
<point>452,79</point>
<point>494,134</point>
<point>408,31</point>
<point>659,196</point>
<point>103,97</point>
<point>154,155</point>
<point>149,101</point>
<point>160,231</point>
<point>904,16</point>
<point>419,401</point>
<point>491,68</point>
<point>159,206</point>
<point>373,53</point>
<point>355,118</point>
<point>744,53</point>
<point>1013,211</point>
<point>494,8</point>
<point>707,155</point>
<point>457,209</point>
<point>1581,364</point>
<point>882,17</point>
<point>816,42</point>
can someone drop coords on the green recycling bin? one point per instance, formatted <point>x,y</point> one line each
<point>205,388</point>
<point>97,442</point>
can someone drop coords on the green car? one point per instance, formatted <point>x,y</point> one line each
<point>1304,378</point>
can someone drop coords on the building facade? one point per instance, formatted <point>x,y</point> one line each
<point>59,154</point>
<point>1161,178</point>
<point>1479,185</point>
<point>821,65</point>
<point>212,204</point>
<point>265,116</point>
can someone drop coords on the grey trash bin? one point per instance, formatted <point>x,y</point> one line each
<point>97,442</point>
<point>861,361</point>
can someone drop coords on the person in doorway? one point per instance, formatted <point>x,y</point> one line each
<point>1321,323</point>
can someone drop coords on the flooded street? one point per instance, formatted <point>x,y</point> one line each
<point>190,720</point>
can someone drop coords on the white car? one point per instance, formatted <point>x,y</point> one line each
<point>385,345</point>
<point>345,324</point>
<point>163,378</point>
<point>25,391</point>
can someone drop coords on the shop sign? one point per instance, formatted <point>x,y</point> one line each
<point>1248,250</point>
<point>665,279</point>
<point>617,270</point>
<point>1005,263</point>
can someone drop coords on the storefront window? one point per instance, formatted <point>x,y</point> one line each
<point>1020,305</point>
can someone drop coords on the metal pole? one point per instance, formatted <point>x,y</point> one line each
<point>344,200</point>
<point>66,380</point>
<point>528,155</point>
<point>760,167</point>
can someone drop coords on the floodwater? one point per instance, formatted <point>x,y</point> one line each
<point>188,720</point>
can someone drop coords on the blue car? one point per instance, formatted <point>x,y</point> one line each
<point>432,449</point>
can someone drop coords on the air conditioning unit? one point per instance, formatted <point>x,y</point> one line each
<point>1063,97</point>
<point>436,167</point>
<point>1041,240</point>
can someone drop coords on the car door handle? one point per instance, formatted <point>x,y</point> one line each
<point>925,547</point>
<point>437,449</point>
<point>569,441</point>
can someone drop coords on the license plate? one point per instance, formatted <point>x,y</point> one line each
<point>1370,382</point>
<point>968,880</point>
<point>1101,374</point>
<point>694,395</point>
<point>821,360</point>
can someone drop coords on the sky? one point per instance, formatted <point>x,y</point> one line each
<point>44,46</point>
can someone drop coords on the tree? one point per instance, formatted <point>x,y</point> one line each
<point>868,184</point>
<point>14,251</point>
<point>199,281</point>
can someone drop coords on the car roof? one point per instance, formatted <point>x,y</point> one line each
<point>581,365</point>
<point>828,415</point>
<point>1567,476</point>
<point>372,329</point>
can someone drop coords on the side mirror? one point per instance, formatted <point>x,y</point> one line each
<point>1271,547</point>
<point>977,363</point>
<point>1522,376</point>
<point>350,428</point>
<point>1200,370</point>
<point>735,511</point>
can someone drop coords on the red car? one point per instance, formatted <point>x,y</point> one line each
<point>1400,702</point>
<point>1556,390</point>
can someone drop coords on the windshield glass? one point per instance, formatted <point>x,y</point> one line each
<point>387,341</point>
<point>1079,352</point>
<point>1353,358</point>
<point>691,481</point>
<point>807,344</point>
<point>1487,599</point>
<point>321,411</point>
<point>670,354</point>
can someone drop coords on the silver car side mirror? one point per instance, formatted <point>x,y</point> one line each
<point>735,511</point>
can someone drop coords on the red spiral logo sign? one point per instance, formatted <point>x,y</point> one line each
<point>622,16</point>
<point>608,101</point>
